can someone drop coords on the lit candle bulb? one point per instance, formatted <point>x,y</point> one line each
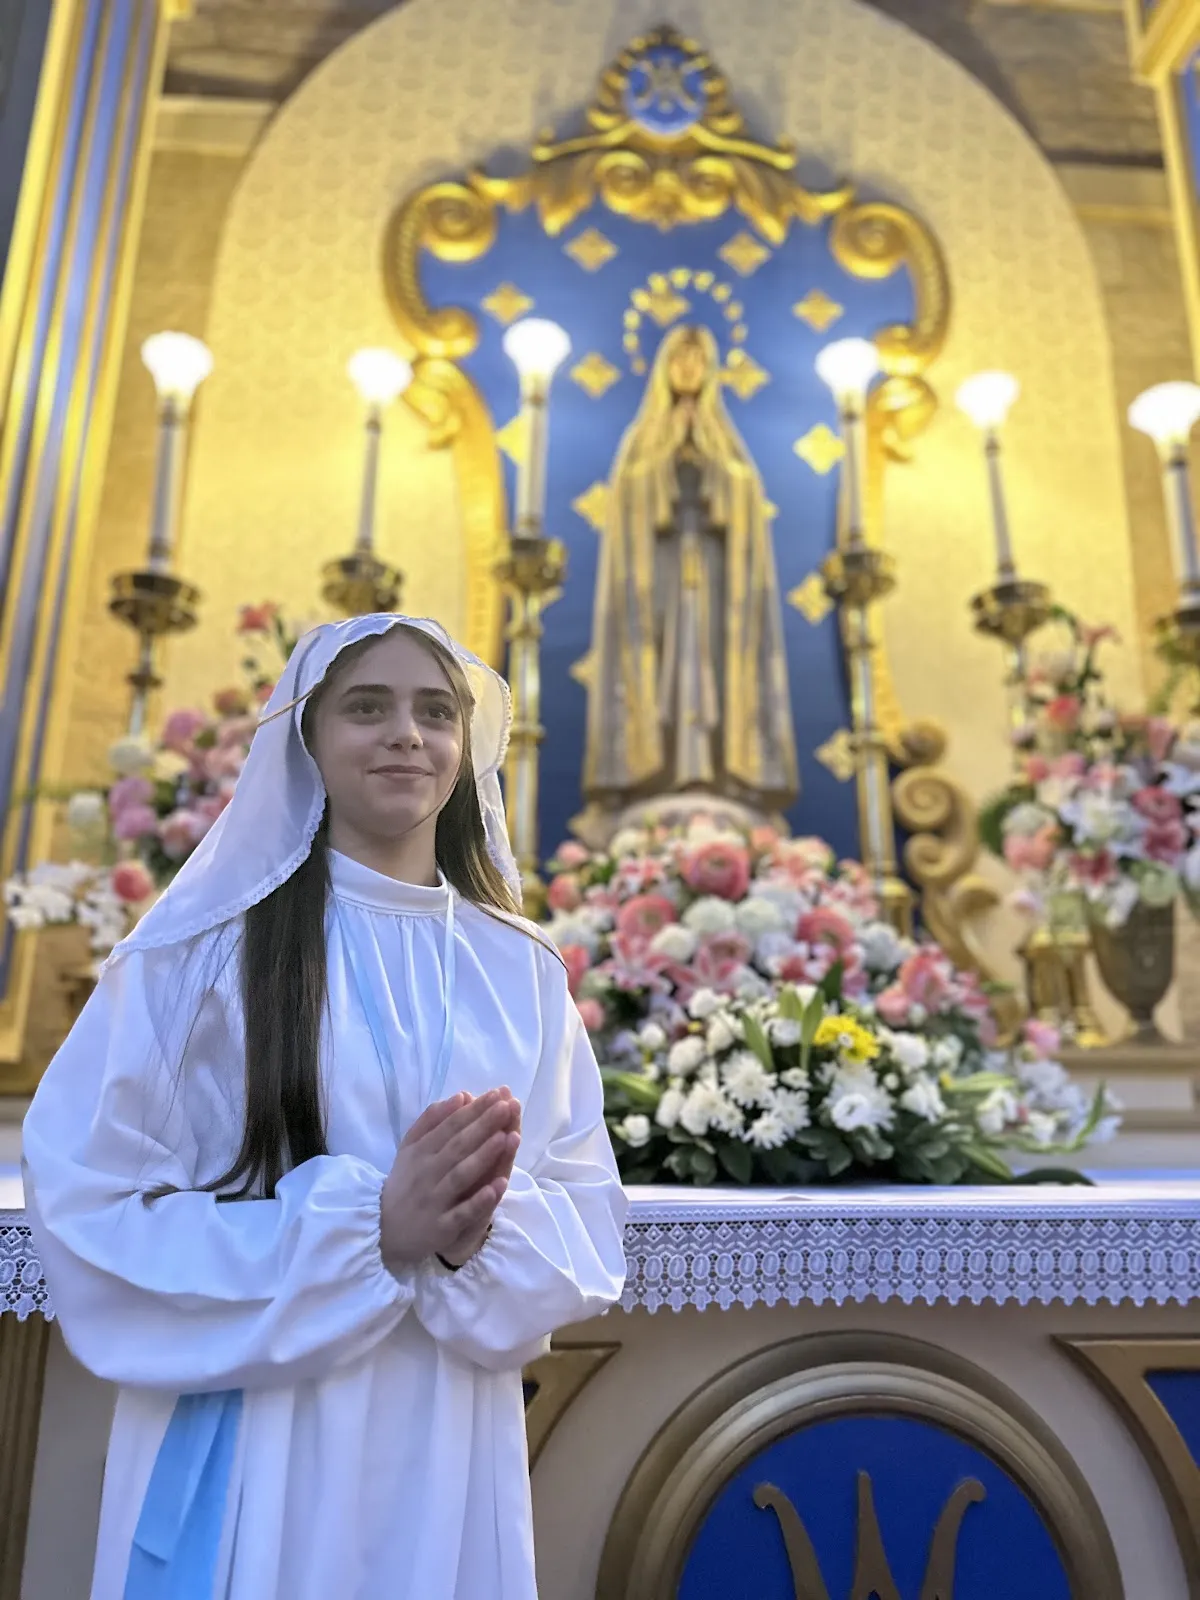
<point>379,376</point>
<point>537,349</point>
<point>178,364</point>
<point>1167,414</point>
<point>849,366</point>
<point>987,398</point>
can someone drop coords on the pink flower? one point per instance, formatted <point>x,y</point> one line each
<point>134,822</point>
<point>764,840</point>
<point>1042,1037</point>
<point>1089,638</point>
<point>230,702</point>
<point>1037,769</point>
<point>577,961</point>
<point>1165,842</point>
<point>572,854</point>
<point>644,916</point>
<point>181,832</point>
<point>1160,736</point>
<point>564,893</point>
<point>223,761</point>
<point>132,882</point>
<point>237,730</point>
<point>210,806</point>
<point>1072,765</point>
<point>1031,852</point>
<point>180,728</point>
<point>893,1005</point>
<point>1062,713</point>
<point>925,979</point>
<point>1156,805</point>
<point>591,1014</point>
<point>263,692</point>
<point>718,868</point>
<point>128,792</point>
<point>825,926</point>
<point>258,619</point>
<point>1095,870</point>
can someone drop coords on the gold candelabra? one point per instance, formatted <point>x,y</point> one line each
<point>152,600</point>
<point>532,571</point>
<point>361,583</point>
<point>856,577</point>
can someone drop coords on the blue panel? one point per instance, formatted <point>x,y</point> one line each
<point>23,30</point>
<point>1189,90</point>
<point>584,434</point>
<point>1179,1393</point>
<point>1004,1551</point>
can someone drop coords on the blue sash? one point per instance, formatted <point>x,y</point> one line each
<point>178,1536</point>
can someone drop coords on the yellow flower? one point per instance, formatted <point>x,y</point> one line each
<point>850,1039</point>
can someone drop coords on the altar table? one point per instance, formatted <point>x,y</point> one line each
<point>988,1394</point>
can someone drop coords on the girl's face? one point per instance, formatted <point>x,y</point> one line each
<point>387,737</point>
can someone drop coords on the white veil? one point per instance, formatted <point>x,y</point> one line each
<point>267,829</point>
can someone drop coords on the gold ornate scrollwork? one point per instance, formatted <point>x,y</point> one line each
<point>455,222</point>
<point>875,239</point>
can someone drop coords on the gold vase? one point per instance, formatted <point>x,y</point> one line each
<point>1056,978</point>
<point>1137,963</point>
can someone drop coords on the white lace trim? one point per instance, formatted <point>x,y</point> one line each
<point>1123,1241</point>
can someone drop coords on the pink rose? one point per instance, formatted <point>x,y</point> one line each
<point>134,822</point>
<point>591,1014</point>
<point>1037,769</point>
<point>258,619</point>
<point>1165,842</point>
<point>763,840</point>
<point>643,916</point>
<point>572,854</point>
<point>181,832</point>
<point>925,979</point>
<point>577,961</point>
<point>1160,736</point>
<point>718,868</point>
<point>564,893</point>
<point>1156,805</point>
<point>893,1005</point>
<point>128,792</point>
<point>132,882</point>
<point>1063,713</point>
<point>826,926</point>
<point>1094,870</point>
<point>180,728</point>
<point>1042,1037</point>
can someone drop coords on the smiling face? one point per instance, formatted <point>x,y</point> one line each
<point>387,733</point>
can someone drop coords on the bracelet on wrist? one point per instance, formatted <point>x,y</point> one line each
<point>453,1266</point>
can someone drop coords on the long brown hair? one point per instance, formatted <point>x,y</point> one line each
<point>283,963</point>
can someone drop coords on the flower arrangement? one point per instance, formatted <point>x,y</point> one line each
<point>756,1021</point>
<point>162,800</point>
<point>1106,806</point>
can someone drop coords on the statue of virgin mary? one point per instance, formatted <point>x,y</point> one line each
<point>688,689</point>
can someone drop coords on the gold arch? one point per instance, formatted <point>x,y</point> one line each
<point>666,183</point>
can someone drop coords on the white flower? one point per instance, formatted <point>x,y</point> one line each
<point>709,915</point>
<point>669,1107</point>
<point>1191,868</point>
<point>791,1107</point>
<point>947,1053</point>
<point>724,1031</point>
<point>1106,1129</point>
<point>629,842</point>
<point>704,1108</point>
<point>651,1037</point>
<point>129,756</point>
<point>923,1099</point>
<point>675,942</point>
<point>794,1078</point>
<point>576,927</point>
<point>1027,819</point>
<point>756,917</point>
<point>882,947</point>
<point>749,986</point>
<point>746,1080</point>
<point>725,1117</point>
<point>858,1100</point>
<point>767,1131</point>
<point>911,1051</point>
<point>1041,1127</point>
<point>26,918</point>
<point>784,1032</point>
<point>996,1113</point>
<point>85,811</point>
<point>772,950</point>
<point>635,1130</point>
<point>786,899</point>
<point>685,1056</point>
<point>1043,1077</point>
<point>704,1004</point>
<point>1119,902</point>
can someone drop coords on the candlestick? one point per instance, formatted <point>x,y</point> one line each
<point>532,571</point>
<point>179,364</point>
<point>1167,413</point>
<point>361,583</point>
<point>987,398</point>
<point>849,366</point>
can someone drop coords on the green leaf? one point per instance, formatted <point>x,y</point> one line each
<point>639,1175</point>
<point>757,1040</point>
<point>811,1021</point>
<point>704,1167</point>
<point>737,1159</point>
<point>791,1007</point>
<point>987,1160</point>
<point>642,1092</point>
<point>831,984</point>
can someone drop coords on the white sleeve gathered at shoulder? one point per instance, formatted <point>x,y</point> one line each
<point>556,1252</point>
<point>183,1292</point>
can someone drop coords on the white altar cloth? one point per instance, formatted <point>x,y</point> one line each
<point>1130,1239</point>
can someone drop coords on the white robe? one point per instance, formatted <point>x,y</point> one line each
<point>381,1451</point>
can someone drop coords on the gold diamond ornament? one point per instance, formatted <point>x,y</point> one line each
<point>820,448</point>
<point>595,375</point>
<point>818,310</point>
<point>592,250</point>
<point>744,375</point>
<point>592,506</point>
<point>583,670</point>
<point>661,302</point>
<point>744,254</point>
<point>810,600</point>
<point>839,755</point>
<point>506,303</point>
<point>513,439</point>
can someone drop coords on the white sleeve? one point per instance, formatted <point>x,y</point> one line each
<point>556,1253</point>
<point>186,1293</point>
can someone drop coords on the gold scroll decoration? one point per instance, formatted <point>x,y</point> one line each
<point>665,182</point>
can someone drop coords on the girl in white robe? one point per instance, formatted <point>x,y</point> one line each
<point>306,1412</point>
